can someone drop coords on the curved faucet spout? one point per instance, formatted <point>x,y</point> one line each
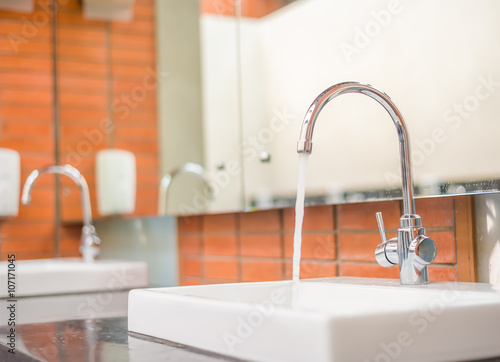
<point>189,168</point>
<point>72,173</point>
<point>305,140</point>
<point>89,243</point>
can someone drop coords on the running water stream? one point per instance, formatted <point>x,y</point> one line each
<point>299,215</point>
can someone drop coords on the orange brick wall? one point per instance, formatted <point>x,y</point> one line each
<point>249,8</point>
<point>338,240</point>
<point>26,125</point>
<point>100,65</point>
<point>105,73</point>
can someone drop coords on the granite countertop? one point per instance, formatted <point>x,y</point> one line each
<point>84,328</point>
<point>89,340</point>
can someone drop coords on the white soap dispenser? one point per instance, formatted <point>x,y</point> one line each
<point>10,178</point>
<point>115,182</point>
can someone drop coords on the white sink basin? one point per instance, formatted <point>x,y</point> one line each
<point>334,319</point>
<point>72,275</point>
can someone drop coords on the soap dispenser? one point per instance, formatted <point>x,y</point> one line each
<point>10,178</point>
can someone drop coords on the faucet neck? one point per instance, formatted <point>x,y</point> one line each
<point>72,173</point>
<point>305,140</point>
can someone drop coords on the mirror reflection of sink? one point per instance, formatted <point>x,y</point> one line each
<point>333,319</point>
<point>72,275</point>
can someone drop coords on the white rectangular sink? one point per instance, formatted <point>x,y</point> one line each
<point>72,275</point>
<point>334,319</point>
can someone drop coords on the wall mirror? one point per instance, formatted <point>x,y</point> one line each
<point>262,63</point>
<point>437,60</point>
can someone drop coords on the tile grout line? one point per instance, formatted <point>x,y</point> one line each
<point>109,85</point>
<point>336,237</point>
<point>180,254</point>
<point>239,265</point>
<point>202,249</point>
<point>455,233</point>
<point>282,243</point>
<point>56,129</point>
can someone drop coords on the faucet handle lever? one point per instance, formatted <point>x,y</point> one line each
<point>381,227</point>
<point>386,253</point>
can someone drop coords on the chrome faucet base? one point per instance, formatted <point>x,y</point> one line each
<point>89,245</point>
<point>411,250</point>
<point>412,273</point>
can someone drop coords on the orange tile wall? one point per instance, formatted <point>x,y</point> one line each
<point>249,8</point>
<point>105,72</point>
<point>337,241</point>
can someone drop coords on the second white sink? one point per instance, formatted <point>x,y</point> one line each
<point>72,275</point>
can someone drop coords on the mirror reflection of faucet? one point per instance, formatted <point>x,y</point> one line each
<point>186,168</point>
<point>89,246</point>
<point>412,250</point>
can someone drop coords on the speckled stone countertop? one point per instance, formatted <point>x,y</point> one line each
<point>84,328</point>
<point>89,340</point>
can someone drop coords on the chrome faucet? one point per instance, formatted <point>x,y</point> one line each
<point>412,250</point>
<point>89,246</point>
<point>188,167</point>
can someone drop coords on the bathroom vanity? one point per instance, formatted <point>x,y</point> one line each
<point>101,339</point>
<point>52,329</point>
<point>93,327</point>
